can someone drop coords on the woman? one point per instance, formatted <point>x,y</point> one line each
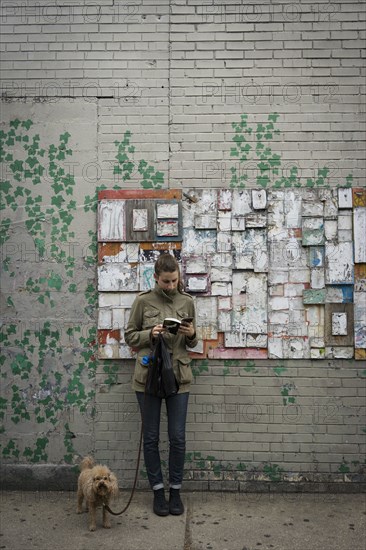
<point>148,312</point>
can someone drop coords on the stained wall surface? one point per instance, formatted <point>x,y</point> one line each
<point>219,101</point>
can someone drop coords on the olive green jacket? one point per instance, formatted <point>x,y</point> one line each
<point>149,309</point>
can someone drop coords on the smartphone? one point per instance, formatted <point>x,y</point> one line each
<point>187,320</point>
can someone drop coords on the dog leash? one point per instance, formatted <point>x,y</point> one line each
<point>105,506</point>
<point>136,473</point>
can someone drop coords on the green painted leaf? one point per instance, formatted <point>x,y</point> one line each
<point>27,124</point>
<point>5,186</point>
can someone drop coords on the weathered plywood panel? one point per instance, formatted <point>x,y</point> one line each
<point>105,318</point>
<point>314,296</point>
<point>240,280</point>
<point>317,278</point>
<point>292,208</point>
<point>312,209</point>
<point>257,340</point>
<point>139,220</point>
<point>221,275</point>
<point>255,219</point>
<point>197,283</point>
<point>221,289</point>
<point>360,277</point>
<point>205,221</point>
<point>124,194</point>
<point>224,243</point>
<point>167,229</point>
<point>330,199</point>
<point>237,353</point>
<point>224,303</point>
<point>237,339</point>
<point>237,223</point>
<point>206,313</point>
<point>259,199</point>
<point>312,231</point>
<point>276,216</point>
<point>254,316</point>
<point>224,321</point>
<point>359,196</point>
<point>359,216</point>
<point>334,352</point>
<point>316,256</point>
<point>224,199</point>
<point>260,252</point>
<point>330,229</point>
<point>340,294</point>
<point>109,299</point>
<point>360,354</point>
<point>201,242</point>
<point>360,320</point>
<point>196,264</point>
<point>118,277</point>
<point>149,252</point>
<point>224,221</point>
<point>127,299</point>
<point>345,197</point>
<point>341,322</point>
<point>167,210</point>
<point>339,263</point>
<point>241,204</point>
<point>111,221</point>
<point>250,250</point>
<point>108,341</point>
<point>345,219</point>
<point>223,259</point>
<point>243,249</point>
<point>146,276</point>
<point>315,315</point>
<point>113,252</point>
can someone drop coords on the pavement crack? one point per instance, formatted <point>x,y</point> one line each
<point>188,529</point>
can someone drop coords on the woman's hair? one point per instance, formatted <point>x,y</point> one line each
<point>166,262</point>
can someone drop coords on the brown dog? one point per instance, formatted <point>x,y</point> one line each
<point>98,486</point>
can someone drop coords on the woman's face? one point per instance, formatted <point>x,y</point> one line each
<point>167,280</point>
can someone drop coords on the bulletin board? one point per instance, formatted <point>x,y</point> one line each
<point>273,273</point>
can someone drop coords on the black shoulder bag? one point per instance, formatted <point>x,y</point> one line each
<point>161,380</point>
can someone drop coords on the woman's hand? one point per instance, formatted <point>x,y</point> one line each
<point>187,329</point>
<point>156,330</point>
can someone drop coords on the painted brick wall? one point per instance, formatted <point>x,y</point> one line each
<point>147,94</point>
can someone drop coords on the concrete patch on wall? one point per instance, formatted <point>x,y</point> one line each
<point>48,282</point>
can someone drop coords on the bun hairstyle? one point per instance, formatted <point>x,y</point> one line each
<point>166,262</point>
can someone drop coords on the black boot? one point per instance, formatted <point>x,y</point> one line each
<point>161,507</point>
<point>176,507</point>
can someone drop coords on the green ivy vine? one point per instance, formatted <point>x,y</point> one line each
<point>30,354</point>
<point>252,144</point>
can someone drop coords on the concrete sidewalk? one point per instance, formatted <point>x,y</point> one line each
<point>212,521</point>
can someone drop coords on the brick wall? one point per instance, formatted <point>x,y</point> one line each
<point>177,75</point>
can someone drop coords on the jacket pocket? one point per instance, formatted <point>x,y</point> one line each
<point>181,314</point>
<point>141,369</point>
<point>184,372</point>
<point>151,317</point>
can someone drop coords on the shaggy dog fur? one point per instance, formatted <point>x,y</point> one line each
<point>98,486</point>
